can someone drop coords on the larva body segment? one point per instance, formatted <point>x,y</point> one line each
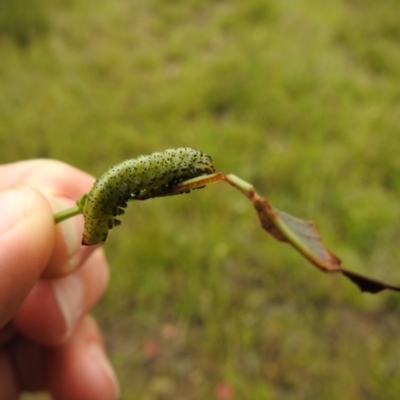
<point>138,179</point>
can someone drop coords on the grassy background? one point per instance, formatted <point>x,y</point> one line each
<point>299,97</point>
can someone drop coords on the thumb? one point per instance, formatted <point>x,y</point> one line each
<point>26,243</point>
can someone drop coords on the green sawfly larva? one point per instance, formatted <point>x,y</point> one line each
<point>138,179</point>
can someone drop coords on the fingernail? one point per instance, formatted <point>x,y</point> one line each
<point>69,292</point>
<point>15,204</point>
<point>101,360</point>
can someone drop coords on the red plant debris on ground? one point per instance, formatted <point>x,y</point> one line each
<point>224,391</point>
<point>151,348</point>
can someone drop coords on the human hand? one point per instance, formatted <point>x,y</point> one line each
<point>47,341</point>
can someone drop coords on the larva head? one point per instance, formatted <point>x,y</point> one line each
<point>201,164</point>
<point>189,163</point>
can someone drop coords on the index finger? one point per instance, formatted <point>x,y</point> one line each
<point>62,185</point>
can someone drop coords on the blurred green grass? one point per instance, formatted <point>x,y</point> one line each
<point>300,98</point>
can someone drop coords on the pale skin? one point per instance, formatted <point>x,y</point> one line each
<point>48,284</point>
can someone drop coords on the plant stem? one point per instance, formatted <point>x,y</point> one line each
<point>68,213</point>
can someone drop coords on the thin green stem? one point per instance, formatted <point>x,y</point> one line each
<point>68,213</point>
